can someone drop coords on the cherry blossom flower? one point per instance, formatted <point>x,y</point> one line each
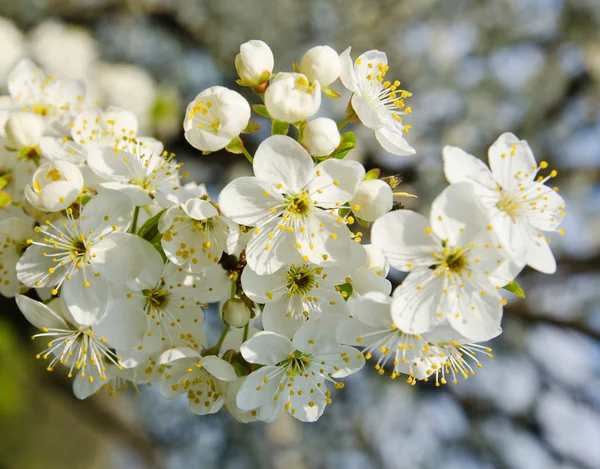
<point>254,63</point>
<point>292,203</point>
<point>378,103</point>
<point>56,185</point>
<point>295,371</point>
<point>456,266</point>
<point>520,206</point>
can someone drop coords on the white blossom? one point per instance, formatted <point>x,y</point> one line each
<point>373,198</point>
<point>24,130</point>
<point>378,103</point>
<point>520,206</point>
<point>292,98</point>
<point>296,371</point>
<point>254,63</point>
<point>292,203</point>
<point>455,262</point>
<point>215,117</point>
<point>55,186</point>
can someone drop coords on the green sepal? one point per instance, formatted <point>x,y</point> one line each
<point>329,92</point>
<point>361,221</point>
<point>295,66</point>
<point>241,82</point>
<point>346,288</point>
<point>235,146</point>
<point>149,230</point>
<point>279,127</point>
<point>372,174</point>
<point>515,288</point>
<point>261,110</point>
<point>344,211</point>
<point>5,199</point>
<point>348,143</point>
<point>5,181</point>
<point>251,128</point>
<point>160,250</point>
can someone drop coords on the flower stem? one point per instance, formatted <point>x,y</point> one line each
<point>222,338</point>
<point>345,122</point>
<point>246,328</point>
<point>247,155</point>
<point>136,213</point>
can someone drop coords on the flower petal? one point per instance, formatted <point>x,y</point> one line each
<point>39,315</point>
<point>347,74</point>
<point>218,367</point>
<point>266,348</point>
<point>393,141</point>
<point>264,288</point>
<point>336,182</point>
<point>511,161</point>
<point>459,166</point>
<point>255,392</point>
<point>248,201</point>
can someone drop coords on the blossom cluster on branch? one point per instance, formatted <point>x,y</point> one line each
<point>124,258</point>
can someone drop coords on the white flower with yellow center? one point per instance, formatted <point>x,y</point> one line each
<point>195,233</point>
<point>57,101</point>
<point>215,117</point>
<point>160,309</point>
<point>519,205</point>
<point>137,168</point>
<point>70,343</point>
<point>294,294</point>
<point>291,98</point>
<point>14,233</point>
<point>456,266</point>
<point>295,371</point>
<point>293,206</point>
<point>83,255</point>
<point>441,352</point>
<point>56,185</point>
<point>203,379</point>
<point>379,103</point>
<point>92,127</point>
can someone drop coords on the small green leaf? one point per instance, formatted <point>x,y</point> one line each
<point>261,110</point>
<point>347,144</point>
<point>279,128</point>
<point>251,128</point>
<point>346,290</point>
<point>515,288</point>
<point>295,67</point>
<point>149,230</point>
<point>5,199</point>
<point>241,82</point>
<point>235,146</point>
<point>329,92</point>
<point>264,77</point>
<point>373,174</point>
<point>344,211</point>
<point>362,222</point>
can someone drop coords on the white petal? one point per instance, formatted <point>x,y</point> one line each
<point>178,353</point>
<point>347,74</point>
<point>351,331</point>
<point>459,166</point>
<point>248,201</point>
<point>393,141</point>
<point>365,112</point>
<point>199,209</point>
<point>257,286</point>
<point>282,160</point>
<point>87,304</point>
<point>511,161</point>
<point>218,367</point>
<point>275,319</point>
<point>307,406</point>
<point>336,182</point>
<point>406,239</point>
<point>270,248</point>
<point>136,195</point>
<point>374,198</point>
<point>104,212</point>
<point>539,255</point>
<point>266,348</point>
<point>124,324</point>
<point>39,315</point>
<point>210,284</point>
<point>249,397</point>
<point>373,309</point>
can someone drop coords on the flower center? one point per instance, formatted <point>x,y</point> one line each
<point>300,280</point>
<point>454,260</point>
<point>157,298</point>
<point>296,363</point>
<point>302,84</point>
<point>509,204</point>
<point>299,205</point>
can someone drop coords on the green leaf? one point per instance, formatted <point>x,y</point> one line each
<point>251,128</point>
<point>347,144</point>
<point>149,230</point>
<point>279,128</point>
<point>160,250</point>
<point>515,288</point>
<point>5,199</point>
<point>329,92</point>
<point>346,290</point>
<point>261,110</point>
<point>362,222</point>
<point>344,211</point>
<point>373,174</point>
<point>235,146</point>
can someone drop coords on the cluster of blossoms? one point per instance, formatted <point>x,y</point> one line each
<point>125,259</point>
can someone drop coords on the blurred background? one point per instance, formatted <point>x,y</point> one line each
<point>477,68</point>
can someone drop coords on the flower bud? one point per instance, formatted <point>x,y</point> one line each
<point>236,313</point>
<point>291,98</point>
<point>24,130</point>
<point>321,63</point>
<point>55,186</point>
<point>215,117</point>
<point>321,136</point>
<point>254,63</point>
<point>373,198</point>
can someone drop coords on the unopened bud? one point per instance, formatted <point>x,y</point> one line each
<point>236,313</point>
<point>321,136</point>
<point>374,197</point>
<point>254,63</point>
<point>321,63</point>
<point>24,130</point>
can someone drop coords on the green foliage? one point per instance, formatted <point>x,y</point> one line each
<point>348,143</point>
